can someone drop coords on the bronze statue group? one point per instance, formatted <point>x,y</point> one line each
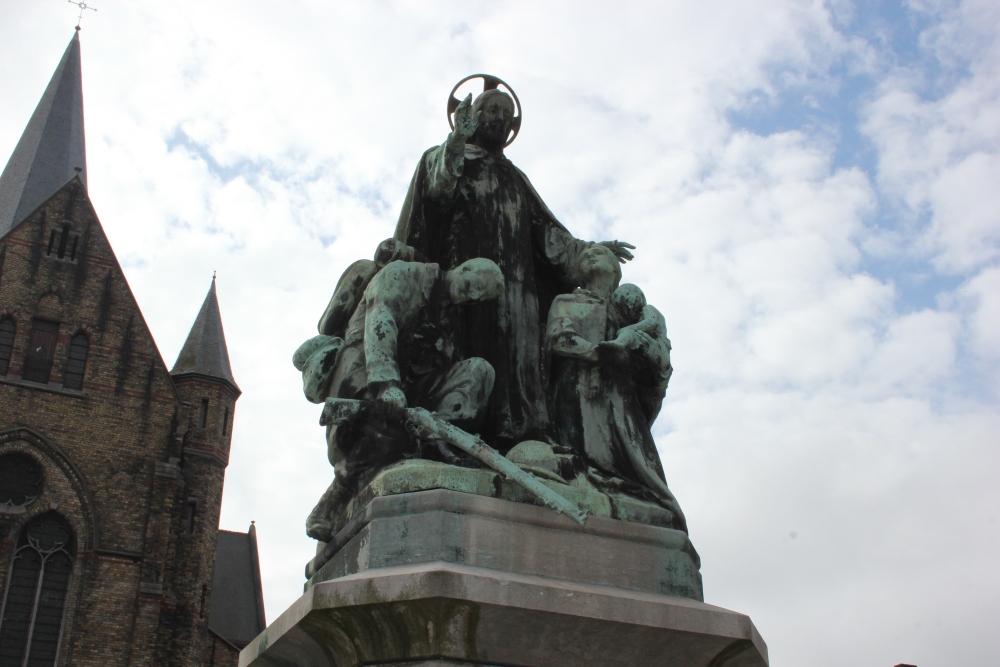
<point>484,311</point>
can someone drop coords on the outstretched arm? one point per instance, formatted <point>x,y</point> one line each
<point>620,248</point>
<point>558,247</point>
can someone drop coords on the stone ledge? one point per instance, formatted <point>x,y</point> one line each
<point>52,388</point>
<point>443,612</point>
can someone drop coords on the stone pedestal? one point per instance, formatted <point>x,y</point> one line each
<point>439,577</point>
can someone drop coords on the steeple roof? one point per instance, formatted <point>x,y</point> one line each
<point>205,352</point>
<point>51,150</point>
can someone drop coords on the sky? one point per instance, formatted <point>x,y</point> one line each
<point>812,188</point>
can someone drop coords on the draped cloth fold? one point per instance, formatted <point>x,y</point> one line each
<point>478,204</point>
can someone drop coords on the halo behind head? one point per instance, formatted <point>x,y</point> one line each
<point>490,82</point>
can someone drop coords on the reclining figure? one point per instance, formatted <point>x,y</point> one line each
<point>396,351</point>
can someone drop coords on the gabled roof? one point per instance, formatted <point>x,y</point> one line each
<point>205,352</point>
<point>52,149</point>
<point>237,611</point>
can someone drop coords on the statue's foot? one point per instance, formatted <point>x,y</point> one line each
<point>319,529</point>
<point>320,524</point>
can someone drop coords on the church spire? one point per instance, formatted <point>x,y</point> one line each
<point>51,150</point>
<point>205,352</point>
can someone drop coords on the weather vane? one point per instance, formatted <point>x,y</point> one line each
<point>82,5</point>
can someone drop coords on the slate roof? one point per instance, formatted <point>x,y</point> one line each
<point>237,611</point>
<point>205,351</point>
<point>52,147</point>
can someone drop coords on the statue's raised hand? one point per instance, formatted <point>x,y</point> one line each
<point>465,122</point>
<point>620,248</point>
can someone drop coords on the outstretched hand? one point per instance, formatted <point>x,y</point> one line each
<point>620,248</point>
<point>465,122</point>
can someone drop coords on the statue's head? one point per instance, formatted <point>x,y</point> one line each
<point>311,347</point>
<point>477,279</point>
<point>496,120</point>
<point>391,250</point>
<point>599,269</point>
<point>630,300</point>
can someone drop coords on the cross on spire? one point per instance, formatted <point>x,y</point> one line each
<point>82,5</point>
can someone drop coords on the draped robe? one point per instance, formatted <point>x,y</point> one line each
<point>478,204</point>
<point>602,408</point>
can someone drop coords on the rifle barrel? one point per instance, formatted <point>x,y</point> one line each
<point>339,409</point>
<point>474,446</point>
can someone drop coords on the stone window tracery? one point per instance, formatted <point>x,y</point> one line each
<point>35,596</point>
<point>76,362</point>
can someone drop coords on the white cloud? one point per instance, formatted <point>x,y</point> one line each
<point>982,294</point>
<point>939,150</point>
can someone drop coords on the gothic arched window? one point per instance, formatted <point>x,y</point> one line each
<point>77,362</point>
<point>7,330</point>
<point>33,605</point>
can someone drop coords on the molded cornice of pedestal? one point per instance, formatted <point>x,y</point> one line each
<point>437,613</point>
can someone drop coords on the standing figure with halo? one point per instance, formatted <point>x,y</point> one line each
<point>468,200</point>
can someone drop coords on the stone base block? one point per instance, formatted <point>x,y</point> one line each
<point>446,614</point>
<point>446,579</point>
<point>447,526</point>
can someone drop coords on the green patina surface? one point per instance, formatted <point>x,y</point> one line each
<point>423,475</point>
<point>413,532</point>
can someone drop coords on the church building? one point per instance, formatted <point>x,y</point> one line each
<point>111,465</point>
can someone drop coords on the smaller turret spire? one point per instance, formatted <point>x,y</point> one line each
<point>205,352</point>
<point>52,149</point>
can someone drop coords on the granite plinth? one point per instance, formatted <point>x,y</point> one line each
<point>442,578</point>
<point>465,529</point>
<point>447,614</point>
